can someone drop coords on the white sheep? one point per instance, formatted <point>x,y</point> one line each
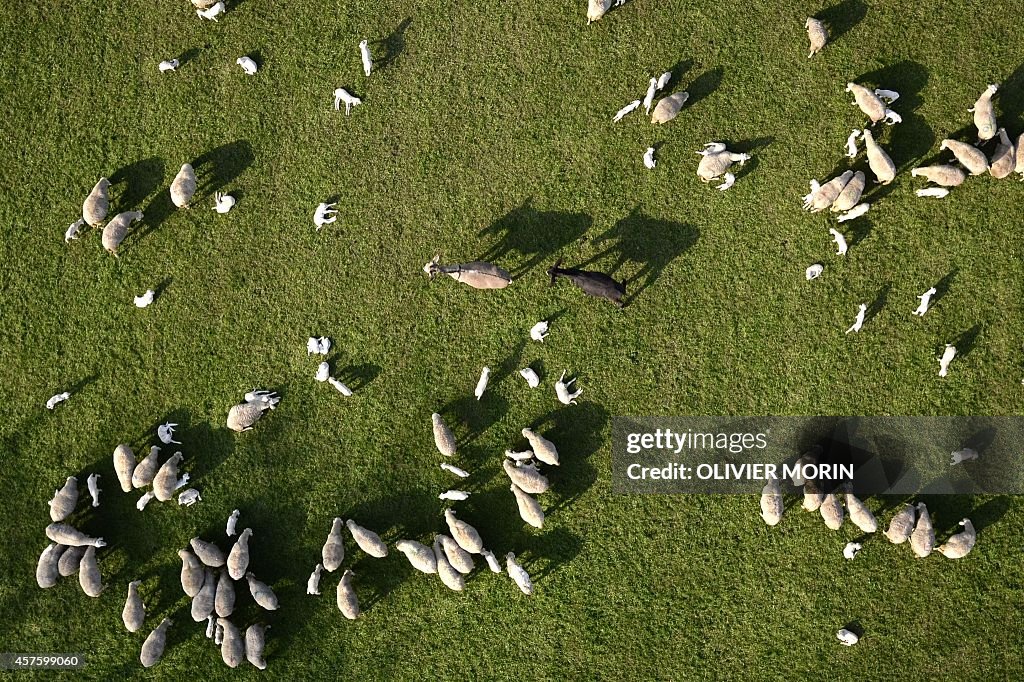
<point>238,557</point>
<point>210,554</point>
<point>851,144</point>
<point>168,65</point>
<point>183,187</point>
<point>1018,165</point>
<point>1003,158</point>
<point>492,561</point>
<point>55,400</point>
<point>89,573</point>
<point>892,118</point>
<point>223,202</point>
<point>823,196</point>
<point>668,108</point>
<point>947,357</point>
<point>543,449</point>
<point>211,13</point>
<point>96,205</point>
<point>463,533</point>
<point>192,573</point>
<point>649,161</point>
<point>229,528</point>
<point>350,100</point>
<point>532,380</point>
<point>145,471</point>
<point>597,9</point>
<point>961,544</point>
<point>347,601</point>
<point>941,174</point>
<point>565,395</point>
<point>889,96</point>
<point>831,512</point>
<point>451,578</point>
<point>145,299</point>
<point>934,192</point>
<point>444,439</point>
<point>460,559</point>
<point>72,231</point>
<point>985,115</point>
<point>851,550</point>
<point>313,582</point>
<point>969,156</point>
<point>771,502</point>
<point>518,574</point>
<point>224,595</point>
<point>255,640</point>
<point>46,568</point>
<point>922,540</point>
<point>454,495</point>
<point>902,525</point>
<point>663,80</point>
<point>165,432</point>
<point>847,637</point>
<point>419,555</point>
<point>860,514</point>
<point>116,230</point>
<point>481,384</point>
<point>817,34</point>
<point>855,212</point>
<point>539,331</point>
<point>318,345</point>
<point>341,388</point>
<point>451,468</point>
<point>878,161</point>
<point>963,455</point>
<point>814,271</point>
<point>524,456</point>
<point>526,477</point>
<point>65,499</point>
<point>858,323</point>
<point>203,601</point>
<point>333,552</point>
<point>652,90</point>
<point>166,480</point>
<point>367,540</point>
<point>134,612</point>
<point>323,372</point>
<point>63,534</point>
<point>868,102</point>
<point>241,417</point>
<point>232,647</point>
<point>366,57</point>
<point>68,563</point>
<point>716,160</point>
<point>925,298</point>
<point>325,214</point>
<point>632,106</point>
<point>851,194</point>
<point>529,509</point>
<point>261,593</point>
<point>248,65</point>
<point>153,647</point>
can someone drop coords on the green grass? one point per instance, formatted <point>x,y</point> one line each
<point>494,122</point>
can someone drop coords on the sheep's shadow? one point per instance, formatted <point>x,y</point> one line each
<point>878,303</point>
<point>943,285</point>
<point>578,432</point>
<point>187,56</point>
<point>748,147</point>
<point>1010,100</point>
<point>477,416</point>
<point>550,551</point>
<point>678,70</point>
<point>393,44</point>
<point>221,165</point>
<point>142,179</point>
<point>533,234</point>
<point>704,85</point>
<point>966,342</point>
<point>842,17</point>
<point>358,376</point>
<point>860,229</point>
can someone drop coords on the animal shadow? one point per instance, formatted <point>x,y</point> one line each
<point>533,234</point>
<point>876,306</point>
<point>142,179</point>
<point>359,376</point>
<point>704,85</point>
<point>393,44</point>
<point>842,17</point>
<point>219,166</point>
<point>967,341</point>
<point>578,431</point>
<point>943,285</point>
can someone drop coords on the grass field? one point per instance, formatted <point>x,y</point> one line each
<point>487,131</point>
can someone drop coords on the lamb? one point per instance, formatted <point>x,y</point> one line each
<point>526,477</point>
<point>868,102</point>
<point>902,525</point>
<point>192,573</point>
<point>325,214</point>
<point>248,65</point>
<point>851,550</point>
<point>668,108</point>
<point>212,13</point>
<point>947,357</point>
<point>46,567</point>
<point>243,416</point>
<point>850,194</point>
<point>854,213</point>
<point>851,144</point>
<point>463,533</point>
<point>632,106</point>
<point>340,387</point>
<point>210,554</point>
<point>64,534</point>
<point>232,647</point>
<point>419,555</point>
<point>518,574</point>
<point>859,322</point>
<point>145,471</point>
<point>203,601</point>
<point>649,162</point>
<point>223,202</point>
<point>529,509</point>
<point>985,115</point>
<point>261,593</point>
<point>116,230</point>
<point>211,628</point>
<point>481,384</point>
<point>153,647</point>
<point>323,372</point>
<point>313,582</point>
<point>942,174</point>
<point>134,612</point>
<point>167,65</point>
<point>935,192</point>
<point>771,502</point>
<point>444,439</point>
<point>477,274</point>
<point>461,473</point>
<point>454,495</point>
<point>255,639</point>
<point>524,456</point>
<point>238,557</point>
<point>543,449</point>
<point>596,284</point>
<point>860,514</point>
<point>165,432</point>
<point>922,540</point>
<point>814,271</point>
<point>333,552</point>
<point>460,559</point>
<point>823,196</point>
<point>451,578</point>
<point>364,55</point>
<point>350,100</point>
<point>847,637</point>
<point>367,540</point>
<point>54,400</point>
<point>72,231</point>
<point>89,573</point>
<point>183,187</point>
<point>539,331</point>
<point>969,156</point>
<point>926,298</point>
<point>831,512</point>
<point>652,90</point>
<point>96,205</point>
<point>348,603</point>
<point>145,299</point>
<point>492,561</point>
<point>532,380</point>
<point>1018,166</point>
<point>229,529</point>
<point>963,455</point>
<point>166,480</point>
<point>68,563</point>
<point>64,500</point>
<point>879,162</point>
<point>564,393</point>
<point>597,9</point>
<point>1003,158</point>
<point>960,545</point>
<point>817,34</point>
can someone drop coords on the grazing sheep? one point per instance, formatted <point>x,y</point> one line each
<point>204,599</point>
<point>529,509</point>
<point>325,214</point>
<point>64,500</point>
<point>192,573</point>
<point>451,578</point>
<point>367,540</point>
<point>54,400</point>
<point>444,439</point>
<point>460,559</point>
<point>539,331</point>
<point>936,192</point>
<point>518,574</point>
<point>771,502</point>
<point>481,385</point>
<point>210,554</point>
<point>350,100</point>
<point>241,417</point>
<point>333,552</point>
<point>323,372</point>
<point>851,144</point>
<point>850,194</point>
<point>632,106</point>
<point>532,380</point>
<point>461,473</point>
<point>831,512</point>
<point>145,299</point>
<point>814,271</point>
<point>668,108</point>
<point>63,534</point>
<point>860,514</point>
<point>248,65</point>
<point>868,102</point>
<point>597,9</point>
<point>926,298</point>
<point>313,582</point>
<point>116,230</point>
<point>859,322</point>
<point>238,557</point>
<point>419,555</point>
<point>46,567</point>
<point>134,612</point>
<point>596,284</point>
<point>454,495</point>
<point>224,595</point>
<point>165,432</point>
<point>183,187</point>
<point>649,160</point>
<point>68,563</point>
<point>477,274</point>
<point>492,561</point>
<point>922,540</point>
<point>463,533</point>
<point>902,525</point>
<point>813,497</point>
<point>947,357</point>
<point>847,637</point>
<point>96,205</point>
<point>89,573</point>
<point>255,639</point>
<point>564,393</point>
<point>1003,158</point>
<point>166,480</point>
<point>223,202</point>
<point>969,156</point>
<point>145,471</point>
<point>856,212</point>
<point>153,647</point>
<point>817,34</point>
<point>212,12</point>
<point>823,196</point>
<point>716,160</point>
<point>985,115</point>
<point>851,550</point>
<point>878,161</point>
<point>229,529</point>
<point>960,545</point>
<point>963,455</point>
<point>168,65</point>
<point>526,477</point>
<point>72,232</point>
<point>232,647</point>
<point>543,449</point>
<point>366,57</point>
<point>942,174</point>
<point>261,593</point>
<point>348,603</point>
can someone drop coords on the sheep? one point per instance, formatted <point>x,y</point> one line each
<point>68,563</point>
<point>851,550</point>
<point>64,534</point>
<point>532,380</point>
<point>539,331</point>
<point>89,573</point>
<point>203,601</point>
<point>153,647</point>
<point>984,115</point>
<point>134,612</point>
<point>255,638</point>
<point>116,230</point>
<point>892,118</point>
<point>243,416</point>
<point>210,554</point>
<point>809,457</point>
<point>854,213</point>
<point>366,57</point>
<point>947,357</point>
<point>341,388</point>
<point>145,299</point>
<point>168,65</point>
<point>64,500</point>
<point>223,202</point>
<point>211,628</point>
<point>460,559</point>
<point>46,567</point>
<point>922,540</point>
<point>145,471</point>
<point>333,552</point>
<point>313,582</point>
<point>652,90</point>
<point>596,284</point>
<point>419,555</point>
<point>958,546</point>
<point>248,65</point>
<point>878,161</point>
<point>212,13</point>
<point>969,156</point>
<point>851,144</point>
<point>868,102</point>
<point>350,100</point>
<point>936,192</point>
<point>192,573</point>
<point>348,603</point>
<point>183,187</point>
<point>1003,158</point>
<point>668,108</point>
<point>444,439</point>
<point>166,480</point>
<point>165,432</point>
<point>850,194</point>
<point>492,561</point>
<point>831,512</point>
<point>461,473</point>
<point>963,455</point>
<point>454,495</point>
<point>860,514</point>
<point>813,497</point>
<point>649,161</point>
<point>1018,166</point>
<point>716,160</point>
<point>96,205</point>
<point>822,196</point>
<point>323,372</point>
<point>817,34</point>
<point>232,647</point>
<point>565,395</point>
<point>814,271</point>
<point>901,525</point>
<point>524,456</point>
<point>847,637</point>
<point>518,574</point>
<point>942,174</point>
<point>218,632</point>
<point>463,533</point>
<point>663,80</point>
<point>72,232</point>
<point>597,9</point>
<point>543,449</point>
<point>526,477</point>
<point>325,214</point>
<point>229,529</point>
<point>632,106</point>
<point>224,595</point>
<point>451,578</point>
<point>530,510</point>
<point>771,502</point>
<point>858,323</point>
<point>926,298</point>
<point>367,540</point>
<point>261,593</point>
<point>477,274</point>
<point>481,384</point>
<point>238,557</point>
<point>54,400</point>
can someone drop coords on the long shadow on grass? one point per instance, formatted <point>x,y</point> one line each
<point>393,45</point>
<point>842,17</point>
<point>533,234</point>
<point>1010,102</point>
<point>219,166</point>
<point>142,179</point>
<point>704,85</point>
